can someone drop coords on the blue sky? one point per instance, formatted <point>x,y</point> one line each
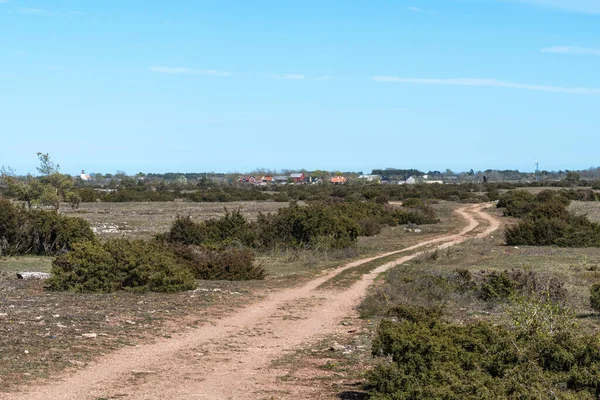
<point>347,85</point>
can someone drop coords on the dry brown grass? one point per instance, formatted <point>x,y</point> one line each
<point>589,208</point>
<point>144,220</point>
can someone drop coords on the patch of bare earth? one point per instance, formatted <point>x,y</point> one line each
<point>230,357</point>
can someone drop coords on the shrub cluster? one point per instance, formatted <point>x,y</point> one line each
<point>40,232</point>
<point>432,359</point>
<point>460,286</point>
<point>233,264</point>
<point>120,264</point>
<point>546,221</point>
<point>331,225</point>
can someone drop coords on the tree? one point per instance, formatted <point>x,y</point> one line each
<point>27,189</point>
<point>47,166</point>
<point>56,186</point>
<point>50,188</point>
<point>573,178</point>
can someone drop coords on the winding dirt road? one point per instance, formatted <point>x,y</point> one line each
<point>230,358</point>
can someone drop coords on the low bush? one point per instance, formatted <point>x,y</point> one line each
<point>234,264</point>
<point>119,264</point>
<point>595,297</point>
<point>498,285</point>
<point>331,225</point>
<point>547,222</point>
<point>233,227</point>
<point>432,359</point>
<point>517,203</point>
<point>39,232</point>
<point>413,287</point>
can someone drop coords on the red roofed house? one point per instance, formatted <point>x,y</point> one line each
<point>297,178</point>
<point>338,180</point>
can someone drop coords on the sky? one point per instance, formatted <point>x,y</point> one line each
<point>237,85</point>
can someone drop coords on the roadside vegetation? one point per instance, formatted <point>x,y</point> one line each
<point>496,327</point>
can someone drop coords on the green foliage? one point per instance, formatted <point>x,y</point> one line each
<point>432,359</point>
<point>316,226</point>
<point>546,221</point>
<point>595,297</point>
<point>332,225</point>
<point>539,314</point>
<point>233,264</point>
<point>517,203</point>
<point>39,232</point>
<point>417,288</point>
<point>231,228</point>
<point>498,285</point>
<point>120,265</point>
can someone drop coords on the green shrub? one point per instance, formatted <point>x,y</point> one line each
<point>432,359</point>
<point>323,225</point>
<point>120,264</point>
<point>49,233</point>
<point>231,228</point>
<point>498,285</point>
<point>10,222</point>
<point>228,264</point>
<point>547,222</point>
<point>518,203</point>
<point>39,232</point>
<point>595,297</point>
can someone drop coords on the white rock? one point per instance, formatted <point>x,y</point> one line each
<point>32,275</point>
<point>90,335</point>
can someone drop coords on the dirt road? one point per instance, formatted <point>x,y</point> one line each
<point>229,358</point>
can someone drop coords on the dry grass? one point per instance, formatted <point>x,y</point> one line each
<point>144,220</point>
<point>577,268</point>
<point>589,208</point>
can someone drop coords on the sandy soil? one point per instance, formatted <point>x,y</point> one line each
<point>230,358</point>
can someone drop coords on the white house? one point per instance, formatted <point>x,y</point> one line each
<point>85,177</point>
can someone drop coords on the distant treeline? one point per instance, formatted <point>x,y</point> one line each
<point>466,193</point>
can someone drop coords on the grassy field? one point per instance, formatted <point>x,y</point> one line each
<point>144,220</point>
<point>589,208</point>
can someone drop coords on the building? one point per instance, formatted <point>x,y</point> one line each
<point>297,177</point>
<point>338,180</point>
<point>280,179</point>
<point>370,178</point>
<point>85,177</point>
<point>410,181</point>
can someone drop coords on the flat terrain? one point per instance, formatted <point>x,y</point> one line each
<point>41,332</point>
<point>326,364</point>
<point>230,357</point>
<point>143,220</point>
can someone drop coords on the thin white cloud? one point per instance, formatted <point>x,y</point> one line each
<point>4,1</point>
<point>487,83</point>
<point>291,77</point>
<point>323,78</point>
<point>34,11</point>
<point>584,51</point>
<point>582,6</point>
<point>184,70</point>
<point>414,9</point>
